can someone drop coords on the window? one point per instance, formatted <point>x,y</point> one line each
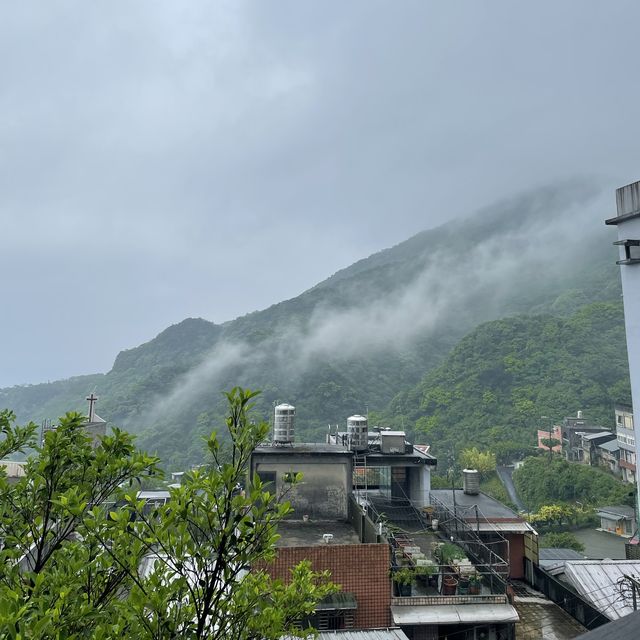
<point>268,479</point>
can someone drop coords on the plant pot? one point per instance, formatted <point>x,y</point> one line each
<point>463,586</point>
<point>403,590</point>
<point>475,588</point>
<point>449,586</point>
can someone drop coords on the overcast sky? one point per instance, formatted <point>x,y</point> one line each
<point>160,160</point>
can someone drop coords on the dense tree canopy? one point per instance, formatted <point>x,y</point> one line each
<point>83,557</point>
<point>493,388</point>
<point>541,482</point>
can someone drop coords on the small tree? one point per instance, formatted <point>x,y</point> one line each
<point>562,540</point>
<point>552,514</point>
<point>56,576</point>
<point>550,443</point>
<point>208,547</point>
<point>483,461</point>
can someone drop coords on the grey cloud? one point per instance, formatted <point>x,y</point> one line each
<point>450,284</point>
<point>151,151</point>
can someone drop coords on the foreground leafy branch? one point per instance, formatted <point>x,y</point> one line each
<point>83,557</point>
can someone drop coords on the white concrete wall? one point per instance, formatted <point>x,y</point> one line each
<point>420,485</point>
<point>630,230</point>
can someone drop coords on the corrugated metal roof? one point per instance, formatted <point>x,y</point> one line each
<point>13,468</point>
<point>153,495</point>
<point>505,527</point>
<point>626,629</point>
<point>365,634</point>
<point>369,634</point>
<point>600,434</point>
<point>559,553</point>
<point>612,446</point>
<point>553,560</point>
<point>621,511</point>
<point>601,583</point>
<point>454,614</point>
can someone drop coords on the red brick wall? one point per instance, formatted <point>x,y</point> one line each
<point>361,569</point>
<point>516,555</point>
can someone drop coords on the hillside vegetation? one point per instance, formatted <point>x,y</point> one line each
<point>492,389</point>
<point>541,481</point>
<point>372,331</point>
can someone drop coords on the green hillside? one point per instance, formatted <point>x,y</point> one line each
<point>492,389</point>
<point>360,337</point>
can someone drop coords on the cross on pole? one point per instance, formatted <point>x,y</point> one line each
<point>92,399</point>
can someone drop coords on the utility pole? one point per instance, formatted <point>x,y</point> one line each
<point>453,488</point>
<point>550,434</point>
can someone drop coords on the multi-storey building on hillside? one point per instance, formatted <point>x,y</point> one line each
<point>435,563</point>
<point>627,223</point>
<point>627,442</point>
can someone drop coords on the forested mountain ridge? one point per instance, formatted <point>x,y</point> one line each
<point>358,338</point>
<point>492,390</point>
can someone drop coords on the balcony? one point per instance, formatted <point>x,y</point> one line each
<point>627,465</point>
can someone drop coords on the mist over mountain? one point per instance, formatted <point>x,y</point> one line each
<point>361,337</point>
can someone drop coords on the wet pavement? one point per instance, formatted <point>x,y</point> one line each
<point>600,544</point>
<point>506,476</point>
<point>541,619</point>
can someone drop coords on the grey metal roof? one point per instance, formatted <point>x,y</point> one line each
<point>553,560</point>
<point>622,511</point>
<point>627,628</point>
<point>612,446</point>
<point>368,634</point>
<point>454,614</point>
<point>487,506</point>
<point>558,553</point>
<point>599,434</point>
<point>159,494</point>
<point>598,582</point>
<point>503,527</point>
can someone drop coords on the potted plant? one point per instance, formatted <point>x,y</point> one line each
<point>425,573</point>
<point>449,585</point>
<point>448,552</point>
<point>475,584</point>
<point>403,579</point>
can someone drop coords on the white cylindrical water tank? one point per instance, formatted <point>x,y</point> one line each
<point>358,433</point>
<point>471,482</point>
<point>284,423</point>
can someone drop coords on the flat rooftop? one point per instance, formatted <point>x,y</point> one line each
<point>303,447</point>
<point>488,507</point>
<point>309,534</point>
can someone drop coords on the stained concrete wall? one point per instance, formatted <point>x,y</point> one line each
<point>324,490</point>
<point>419,485</point>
